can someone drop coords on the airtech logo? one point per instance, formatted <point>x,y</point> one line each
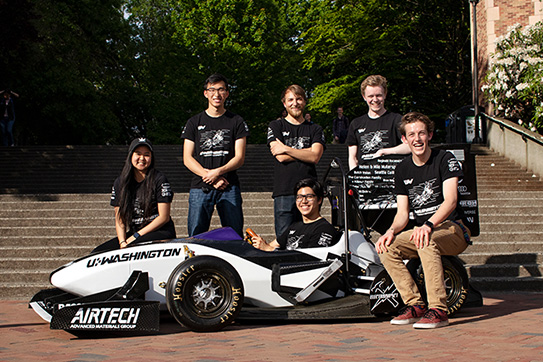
<point>286,134</point>
<point>361,130</point>
<point>408,181</point>
<point>105,318</point>
<point>201,128</point>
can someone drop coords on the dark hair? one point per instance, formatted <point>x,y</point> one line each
<point>215,78</point>
<point>373,81</point>
<point>313,185</point>
<point>412,117</point>
<point>126,193</point>
<point>296,89</point>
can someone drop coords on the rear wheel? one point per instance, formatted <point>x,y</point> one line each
<point>204,293</point>
<point>456,281</point>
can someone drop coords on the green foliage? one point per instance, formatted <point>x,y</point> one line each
<point>421,47</point>
<point>513,82</point>
<point>103,72</point>
<point>246,41</point>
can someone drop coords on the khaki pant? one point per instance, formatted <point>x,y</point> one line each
<point>446,239</point>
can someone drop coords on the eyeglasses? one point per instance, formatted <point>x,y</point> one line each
<point>308,197</point>
<point>215,90</point>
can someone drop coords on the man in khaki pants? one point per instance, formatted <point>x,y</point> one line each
<point>428,224</point>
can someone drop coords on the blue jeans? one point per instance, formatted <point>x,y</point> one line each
<point>228,203</point>
<point>285,213</point>
<point>6,127</point>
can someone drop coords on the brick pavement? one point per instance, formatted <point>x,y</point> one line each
<point>508,328</point>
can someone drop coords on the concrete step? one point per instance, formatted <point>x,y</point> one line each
<point>509,236</point>
<point>20,291</point>
<point>505,247</point>
<point>24,276</point>
<point>60,251</point>
<point>501,258</point>
<point>41,232</point>
<point>31,263</point>
<point>506,227</point>
<point>504,270</point>
<point>502,284</point>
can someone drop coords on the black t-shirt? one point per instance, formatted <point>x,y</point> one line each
<point>311,235</point>
<point>214,142</point>
<point>424,184</point>
<point>372,134</point>
<point>287,174</point>
<point>162,193</point>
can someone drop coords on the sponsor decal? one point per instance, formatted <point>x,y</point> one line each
<point>137,255</point>
<point>105,318</point>
<point>389,294</point>
<point>166,189</point>
<point>462,189</point>
<point>468,203</point>
<point>180,280</point>
<point>456,306</point>
<point>454,165</point>
<point>236,293</point>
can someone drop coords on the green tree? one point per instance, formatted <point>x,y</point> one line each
<point>74,57</point>
<point>248,41</point>
<point>422,47</point>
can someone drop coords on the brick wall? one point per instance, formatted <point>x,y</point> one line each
<point>494,17</point>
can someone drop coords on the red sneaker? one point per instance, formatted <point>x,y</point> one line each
<point>433,318</point>
<point>409,314</point>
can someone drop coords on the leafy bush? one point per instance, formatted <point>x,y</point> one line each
<point>514,82</point>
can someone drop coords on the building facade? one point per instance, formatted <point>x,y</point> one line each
<point>494,17</point>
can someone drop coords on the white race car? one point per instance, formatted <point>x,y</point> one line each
<point>209,280</point>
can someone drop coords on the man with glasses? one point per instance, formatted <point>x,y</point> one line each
<point>214,148</point>
<point>297,145</point>
<point>313,231</point>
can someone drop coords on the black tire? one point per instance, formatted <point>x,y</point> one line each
<point>456,281</point>
<point>204,293</point>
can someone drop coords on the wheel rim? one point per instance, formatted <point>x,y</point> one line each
<point>208,294</point>
<point>453,286</point>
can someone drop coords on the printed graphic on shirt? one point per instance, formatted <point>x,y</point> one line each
<point>424,194</point>
<point>325,239</point>
<point>270,133</point>
<point>165,190</point>
<point>214,143</point>
<point>293,242</point>
<point>298,142</point>
<point>454,165</point>
<point>372,141</point>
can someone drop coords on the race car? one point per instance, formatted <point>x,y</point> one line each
<point>207,281</point>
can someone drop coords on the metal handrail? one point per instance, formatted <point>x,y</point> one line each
<point>523,133</point>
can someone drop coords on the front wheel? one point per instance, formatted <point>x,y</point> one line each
<point>456,281</point>
<point>204,293</point>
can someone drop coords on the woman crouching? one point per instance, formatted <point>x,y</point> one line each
<point>142,198</point>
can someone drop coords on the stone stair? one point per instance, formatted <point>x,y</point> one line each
<point>508,255</point>
<point>55,208</point>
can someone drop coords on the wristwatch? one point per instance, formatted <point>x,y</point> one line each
<point>429,224</point>
<point>136,235</point>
